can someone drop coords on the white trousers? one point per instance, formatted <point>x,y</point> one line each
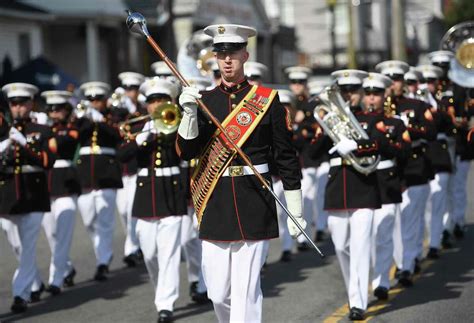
<point>285,237</point>
<point>439,201</point>
<point>308,188</point>
<point>97,209</point>
<point>160,244</point>
<point>382,244</point>
<point>457,195</point>
<point>59,228</point>
<point>321,219</point>
<point>412,223</point>
<point>351,233</point>
<point>22,233</point>
<point>125,197</point>
<point>232,275</point>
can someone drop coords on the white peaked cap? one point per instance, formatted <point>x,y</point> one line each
<point>158,85</point>
<point>18,89</point>
<point>229,33</point>
<point>376,80</point>
<point>56,97</point>
<point>440,56</point>
<point>349,77</point>
<point>131,78</point>
<point>286,97</point>
<point>430,71</point>
<point>298,72</point>
<point>255,69</point>
<point>95,89</point>
<point>413,75</point>
<point>392,67</point>
<point>160,68</point>
<point>201,83</point>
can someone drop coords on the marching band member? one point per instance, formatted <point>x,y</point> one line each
<point>64,187</point>
<point>99,172</point>
<point>441,159</point>
<point>255,72</point>
<point>236,217</point>
<point>303,134</point>
<point>160,201</point>
<point>26,150</point>
<point>131,82</point>
<point>389,180</point>
<point>351,198</point>
<point>418,119</point>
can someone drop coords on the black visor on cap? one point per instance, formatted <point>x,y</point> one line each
<point>373,90</point>
<point>57,107</point>
<point>157,96</point>
<point>228,47</point>
<point>411,81</point>
<point>396,77</point>
<point>349,87</point>
<point>298,81</point>
<point>96,97</point>
<point>19,99</point>
<point>130,87</point>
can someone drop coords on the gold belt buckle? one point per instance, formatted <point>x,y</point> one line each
<point>236,171</point>
<point>95,150</point>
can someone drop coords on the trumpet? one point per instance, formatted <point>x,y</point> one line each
<point>166,118</point>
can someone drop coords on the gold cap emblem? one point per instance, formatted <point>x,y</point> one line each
<point>346,74</point>
<point>221,30</point>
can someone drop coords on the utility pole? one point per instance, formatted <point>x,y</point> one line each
<point>398,31</point>
<point>351,57</point>
<point>331,5</point>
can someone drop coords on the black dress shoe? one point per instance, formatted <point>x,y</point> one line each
<point>69,279</point>
<point>165,316</point>
<point>285,256</point>
<point>303,246</point>
<point>417,269</point>
<point>130,260</point>
<point>36,295</point>
<point>381,293</point>
<point>139,255</point>
<point>53,290</point>
<point>446,240</point>
<point>458,232</point>
<point>199,298</point>
<point>101,273</point>
<point>356,314</point>
<point>320,236</point>
<point>19,305</point>
<point>405,279</point>
<point>433,253</point>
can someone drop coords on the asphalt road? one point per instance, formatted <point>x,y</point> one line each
<point>308,289</point>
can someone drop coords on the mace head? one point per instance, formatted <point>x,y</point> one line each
<point>137,23</point>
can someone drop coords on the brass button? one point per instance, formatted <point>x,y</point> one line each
<point>140,184</point>
<point>387,135</point>
<point>233,106</point>
<point>444,146</point>
<point>391,173</point>
<point>79,161</point>
<point>158,155</point>
<point>111,161</point>
<point>175,182</point>
<point>17,160</point>
<point>415,156</point>
<point>423,150</point>
<point>37,180</point>
<point>232,96</point>
<point>144,143</point>
<point>158,162</point>
<point>94,133</point>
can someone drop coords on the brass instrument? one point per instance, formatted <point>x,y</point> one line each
<point>337,121</point>
<point>166,118</point>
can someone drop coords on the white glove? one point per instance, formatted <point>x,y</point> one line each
<point>294,203</point>
<point>405,119</point>
<point>96,116</point>
<point>41,117</point>
<point>188,98</point>
<point>150,127</point>
<point>141,138</point>
<point>17,137</point>
<point>4,145</point>
<point>344,146</point>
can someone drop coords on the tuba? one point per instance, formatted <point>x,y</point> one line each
<point>337,121</point>
<point>166,118</point>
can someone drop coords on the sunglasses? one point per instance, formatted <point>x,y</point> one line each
<point>295,81</point>
<point>349,88</point>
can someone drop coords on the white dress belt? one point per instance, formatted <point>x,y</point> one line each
<point>160,172</point>
<point>25,169</point>
<point>384,164</point>
<point>62,163</point>
<point>333,162</point>
<point>97,150</point>
<point>233,171</point>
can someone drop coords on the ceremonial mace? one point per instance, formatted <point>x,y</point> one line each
<point>137,24</point>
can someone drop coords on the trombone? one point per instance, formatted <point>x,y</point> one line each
<point>166,118</point>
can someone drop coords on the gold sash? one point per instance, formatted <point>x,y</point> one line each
<point>218,154</point>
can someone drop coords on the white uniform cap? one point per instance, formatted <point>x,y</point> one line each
<point>392,67</point>
<point>161,69</point>
<point>93,89</point>
<point>440,56</point>
<point>56,97</point>
<point>131,78</point>
<point>286,97</point>
<point>201,83</point>
<point>23,90</point>
<point>376,80</point>
<point>225,35</point>
<point>158,85</point>
<point>255,69</point>
<point>316,86</point>
<point>298,72</point>
<point>349,77</point>
<point>413,75</point>
<point>430,71</point>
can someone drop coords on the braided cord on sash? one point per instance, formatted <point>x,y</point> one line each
<point>218,154</point>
